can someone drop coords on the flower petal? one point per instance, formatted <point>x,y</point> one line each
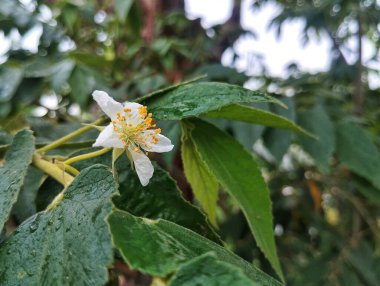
<point>108,138</point>
<point>143,166</point>
<point>107,104</point>
<point>133,116</point>
<point>163,144</point>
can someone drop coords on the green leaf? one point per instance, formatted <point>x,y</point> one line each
<point>68,244</point>
<point>203,183</point>
<point>276,140</point>
<point>160,199</point>
<point>362,260</point>
<point>62,72</point>
<point>12,174</point>
<point>358,152</point>
<point>10,79</point>
<point>25,205</point>
<point>49,189</point>
<point>246,133</point>
<point>207,270</point>
<point>238,173</point>
<point>82,84</point>
<point>171,245</point>
<point>194,99</point>
<point>317,121</point>
<point>122,8</point>
<point>367,190</point>
<point>256,116</point>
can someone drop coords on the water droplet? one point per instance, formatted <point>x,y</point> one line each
<point>33,227</point>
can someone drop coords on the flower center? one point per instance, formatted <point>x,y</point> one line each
<point>132,133</point>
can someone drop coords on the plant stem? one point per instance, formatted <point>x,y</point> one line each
<point>86,156</point>
<point>68,137</point>
<point>68,168</point>
<point>52,170</point>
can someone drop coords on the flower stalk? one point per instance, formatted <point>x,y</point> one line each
<point>70,136</point>
<point>87,156</point>
<point>52,170</point>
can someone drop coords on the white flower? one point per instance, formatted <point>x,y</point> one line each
<point>133,130</point>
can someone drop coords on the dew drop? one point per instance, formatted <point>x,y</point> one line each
<point>33,228</point>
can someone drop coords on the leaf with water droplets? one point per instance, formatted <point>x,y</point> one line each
<point>167,246</point>
<point>12,174</point>
<point>71,239</point>
<point>194,99</point>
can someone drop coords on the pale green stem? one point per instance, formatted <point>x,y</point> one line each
<point>86,156</point>
<point>68,168</point>
<point>52,170</point>
<point>68,137</point>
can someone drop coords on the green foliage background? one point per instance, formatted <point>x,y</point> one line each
<point>325,194</point>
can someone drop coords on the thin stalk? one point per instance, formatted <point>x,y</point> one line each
<point>68,168</point>
<point>68,137</point>
<point>52,170</point>
<point>86,156</point>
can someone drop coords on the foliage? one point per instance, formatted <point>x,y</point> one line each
<point>257,185</point>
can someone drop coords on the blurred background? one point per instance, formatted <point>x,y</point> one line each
<point>320,57</point>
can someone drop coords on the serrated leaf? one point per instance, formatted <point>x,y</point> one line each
<point>256,116</point>
<point>238,173</point>
<point>68,244</point>
<point>203,183</point>
<point>207,270</point>
<point>194,99</point>
<point>12,174</point>
<point>171,245</point>
<point>161,198</point>
<point>357,151</point>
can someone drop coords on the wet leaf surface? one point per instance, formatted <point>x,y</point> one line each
<point>194,99</point>
<point>68,244</point>
<point>12,174</point>
<point>143,243</point>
